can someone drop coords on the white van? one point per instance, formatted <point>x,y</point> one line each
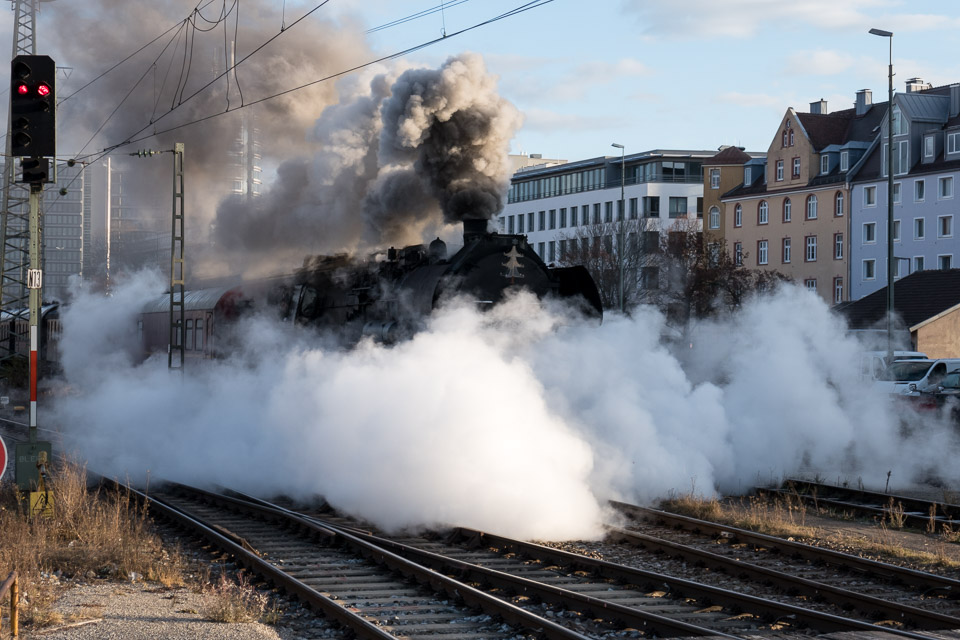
<point>910,377</point>
<point>872,363</point>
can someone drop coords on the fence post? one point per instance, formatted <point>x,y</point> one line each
<point>13,585</point>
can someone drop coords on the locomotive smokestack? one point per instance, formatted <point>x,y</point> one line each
<point>473,228</point>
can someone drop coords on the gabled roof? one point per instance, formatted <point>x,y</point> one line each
<point>824,130</point>
<point>917,298</point>
<point>730,155</point>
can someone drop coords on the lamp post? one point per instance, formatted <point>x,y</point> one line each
<point>623,215</point>
<point>889,34</point>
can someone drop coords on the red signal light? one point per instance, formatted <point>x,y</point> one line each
<point>43,90</point>
<point>23,89</point>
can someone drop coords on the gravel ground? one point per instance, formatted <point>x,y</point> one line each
<point>143,611</point>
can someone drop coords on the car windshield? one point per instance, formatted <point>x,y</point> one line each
<point>951,380</point>
<point>905,371</point>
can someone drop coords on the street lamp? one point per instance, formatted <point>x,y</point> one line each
<point>889,34</point>
<point>623,215</point>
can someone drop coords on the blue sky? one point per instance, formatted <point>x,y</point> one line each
<point>689,74</point>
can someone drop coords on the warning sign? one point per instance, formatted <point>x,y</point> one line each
<point>41,503</point>
<point>3,458</point>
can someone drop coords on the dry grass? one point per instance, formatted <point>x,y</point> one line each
<point>91,534</point>
<point>786,518</point>
<point>238,601</point>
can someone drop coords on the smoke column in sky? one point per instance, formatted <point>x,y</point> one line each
<point>521,420</point>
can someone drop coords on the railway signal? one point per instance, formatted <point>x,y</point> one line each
<point>33,107</point>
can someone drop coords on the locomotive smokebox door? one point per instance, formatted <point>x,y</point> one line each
<point>27,472</point>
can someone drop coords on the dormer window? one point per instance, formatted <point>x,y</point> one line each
<point>953,142</point>
<point>824,164</point>
<point>928,147</point>
<point>844,160</point>
<point>900,125</point>
<point>747,180</point>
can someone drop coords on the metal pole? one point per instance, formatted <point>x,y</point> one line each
<point>34,283</point>
<point>890,207</point>
<point>622,216</point>
<point>889,34</point>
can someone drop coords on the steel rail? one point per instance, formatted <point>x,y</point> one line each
<point>927,581</point>
<point>596,607</point>
<point>473,598</point>
<point>686,588</point>
<point>915,511</point>
<point>870,607</point>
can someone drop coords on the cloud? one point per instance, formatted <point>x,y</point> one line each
<point>552,121</point>
<point>752,99</point>
<point>742,18</point>
<point>565,80</point>
<point>819,62</point>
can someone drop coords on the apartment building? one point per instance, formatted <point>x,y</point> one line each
<point>791,214</point>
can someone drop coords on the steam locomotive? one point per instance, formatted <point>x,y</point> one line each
<point>388,298</point>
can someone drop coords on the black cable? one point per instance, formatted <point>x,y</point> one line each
<point>533,4</point>
<point>415,16</point>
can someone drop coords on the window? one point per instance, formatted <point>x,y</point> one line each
<point>953,142</point>
<point>503,224</point>
<point>608,212</point>
<point>762,252</point>
<point>714,218</point>
<point>869,269</point>
<point>563,218</point>
<point>747,176</point>
<point>928,147</point>
<point>620,204</point>
<point>786,210</point>
<point>791,137</point>
<point>786,251</point>
<point>896,268</point>
<point>762,217</point>
<point>944,262</point>
<point>896,231</point>
<point>838,290</point>
<point>541,250</point>
<point>530,222</point>
<point>542,217</point>
<point>945,187</point>
<point>651,206</point>
<point>779,170</point>
<point>552,251</point>
<point>633,209</point>
<point>918,191</point>
<point>838,246</point>
<point>945,226</point>
<point>869,232</point>
<point>738,216</point>
<point>824,163</point>
<point>810,283</point>
<point>700,207</point>
<point>901,157</point>
<point>650,277</point>
<point>738,253</point>
<point>189,335</point>
<point>714,178</point>
<point>510,227</point>
<point>678,207</point>
<point>796,167</point>
<point>896,193</point>
<point>844,160</point>
<point>869,196</point>
<point>553,218</point>
<point>784,143</point>
<point>811,255</point>
<point>918,228</point>
<point>900,124</point>
<point>573,216</point>
<point>812,207</point>
<point>596,213</point>
<point>838,204</point>
<point>199,334</point>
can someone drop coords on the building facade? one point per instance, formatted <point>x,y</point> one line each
<point>792,213</point>
<point>926,172</point>
<point>63,230</point>
<point>721,174</point>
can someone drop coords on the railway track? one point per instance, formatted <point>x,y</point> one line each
<point>899,510</point>
<point>483,553</point>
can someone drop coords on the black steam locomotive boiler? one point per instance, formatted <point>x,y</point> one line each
<point>388,297</point>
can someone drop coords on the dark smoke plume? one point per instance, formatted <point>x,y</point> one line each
<point>400,157</point>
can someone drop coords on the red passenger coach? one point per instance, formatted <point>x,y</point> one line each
<point>202,310</point>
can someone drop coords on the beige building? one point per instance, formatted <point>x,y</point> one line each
<point>721,173</point>
<point>791,214</point>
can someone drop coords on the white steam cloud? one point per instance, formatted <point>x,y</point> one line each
<point>521,420</point>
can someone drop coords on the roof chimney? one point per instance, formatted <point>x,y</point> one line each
<point>917,84</point>
<point>819,107</point>
<point>864,100</point>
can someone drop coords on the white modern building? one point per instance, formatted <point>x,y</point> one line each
<point>550,202</point>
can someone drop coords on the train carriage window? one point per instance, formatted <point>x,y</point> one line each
<point>199,334</point>
<point>189,335</point>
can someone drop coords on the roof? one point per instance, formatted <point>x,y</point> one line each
<point>824,130</point>
<point>917,298</point>
<point>192,300</point>
<point>729,155</point>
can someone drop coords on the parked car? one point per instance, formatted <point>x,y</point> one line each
<point>872,363</point>
<point>944,398</point>
<point>911,377</point>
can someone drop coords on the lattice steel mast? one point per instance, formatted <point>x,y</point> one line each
<point>14,216</point>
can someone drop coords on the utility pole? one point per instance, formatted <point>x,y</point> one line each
<point>177,344</point>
